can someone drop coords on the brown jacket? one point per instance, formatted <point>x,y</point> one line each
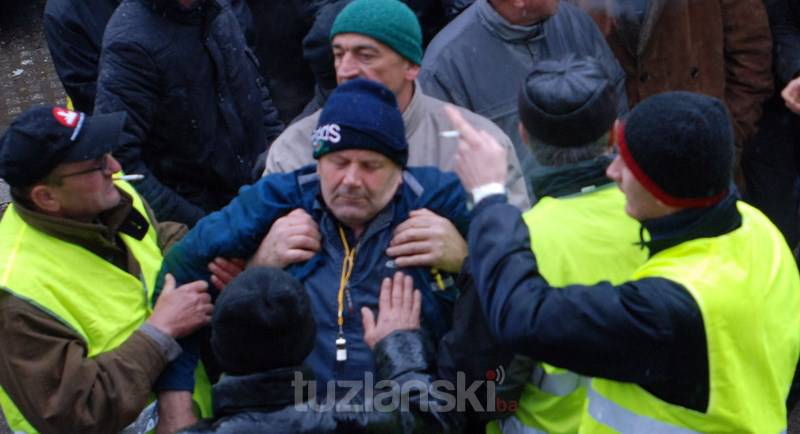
<point>721,48</point>
<point>43,363</point>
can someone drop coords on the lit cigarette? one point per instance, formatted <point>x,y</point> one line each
<point>451,134</point>
<point>133,177</point>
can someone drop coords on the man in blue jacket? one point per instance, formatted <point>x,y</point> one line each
<point>358,193</point>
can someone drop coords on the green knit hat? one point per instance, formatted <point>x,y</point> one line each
<point>389,21</point>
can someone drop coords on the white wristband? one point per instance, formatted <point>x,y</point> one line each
<point>486,190</point>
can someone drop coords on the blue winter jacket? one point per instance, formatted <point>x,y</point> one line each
<point>237,230</point>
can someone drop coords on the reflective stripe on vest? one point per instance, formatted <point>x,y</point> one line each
<point>512,425</point>
<point>614,416</point>
<point>621,419</point>
<point>558,384</point>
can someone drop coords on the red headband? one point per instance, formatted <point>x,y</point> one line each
<point>651,186</point>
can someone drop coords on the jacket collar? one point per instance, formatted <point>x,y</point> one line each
<point>637,42</point>
<point>413,114</point>
<point>498,26</point>
<point>692,223</point>
<point>654,9</point>
<point>99,235</point>
<point>195,14</point>
<point>571,179</point>
<point>270,390</point>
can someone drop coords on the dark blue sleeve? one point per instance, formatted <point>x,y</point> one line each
<point>636,332</point>
<point>234,232</point>
<point>444,195</point>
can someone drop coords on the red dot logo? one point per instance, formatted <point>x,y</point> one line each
<point>67,118</point>
<point>491,375</point>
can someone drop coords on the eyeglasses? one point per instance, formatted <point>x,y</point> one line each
<point>102,165</point>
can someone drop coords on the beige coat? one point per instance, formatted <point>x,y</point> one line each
<point>424,118</point>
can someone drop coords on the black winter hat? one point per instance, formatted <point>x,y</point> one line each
<point>262,321</point>
<point>680,147</point>
<point>568,102</point>
<point>44,137</point>
<point>361,114</point>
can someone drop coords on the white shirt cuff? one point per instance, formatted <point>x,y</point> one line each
<point>486,190</point>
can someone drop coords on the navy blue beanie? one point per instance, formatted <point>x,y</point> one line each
<point>361,114</point>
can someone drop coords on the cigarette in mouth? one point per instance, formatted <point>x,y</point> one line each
<point>131,177</point>
<point>450,134</point>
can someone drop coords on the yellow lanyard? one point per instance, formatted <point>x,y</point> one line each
<point>347,269</point>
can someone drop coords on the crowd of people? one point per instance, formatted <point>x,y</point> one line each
<point>421,216</point>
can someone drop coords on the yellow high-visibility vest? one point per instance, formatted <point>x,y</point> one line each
<point>747,287</point>
<point>99,301</point>
<point>581,239</point>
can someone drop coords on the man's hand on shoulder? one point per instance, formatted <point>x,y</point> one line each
<point>292,238</point>
<point>427,239</point>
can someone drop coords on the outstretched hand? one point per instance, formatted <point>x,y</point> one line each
<point>399,308</point>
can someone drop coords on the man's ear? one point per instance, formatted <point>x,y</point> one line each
<point>412,71</point>
<point>42,196</point>
<point>612,136</point>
